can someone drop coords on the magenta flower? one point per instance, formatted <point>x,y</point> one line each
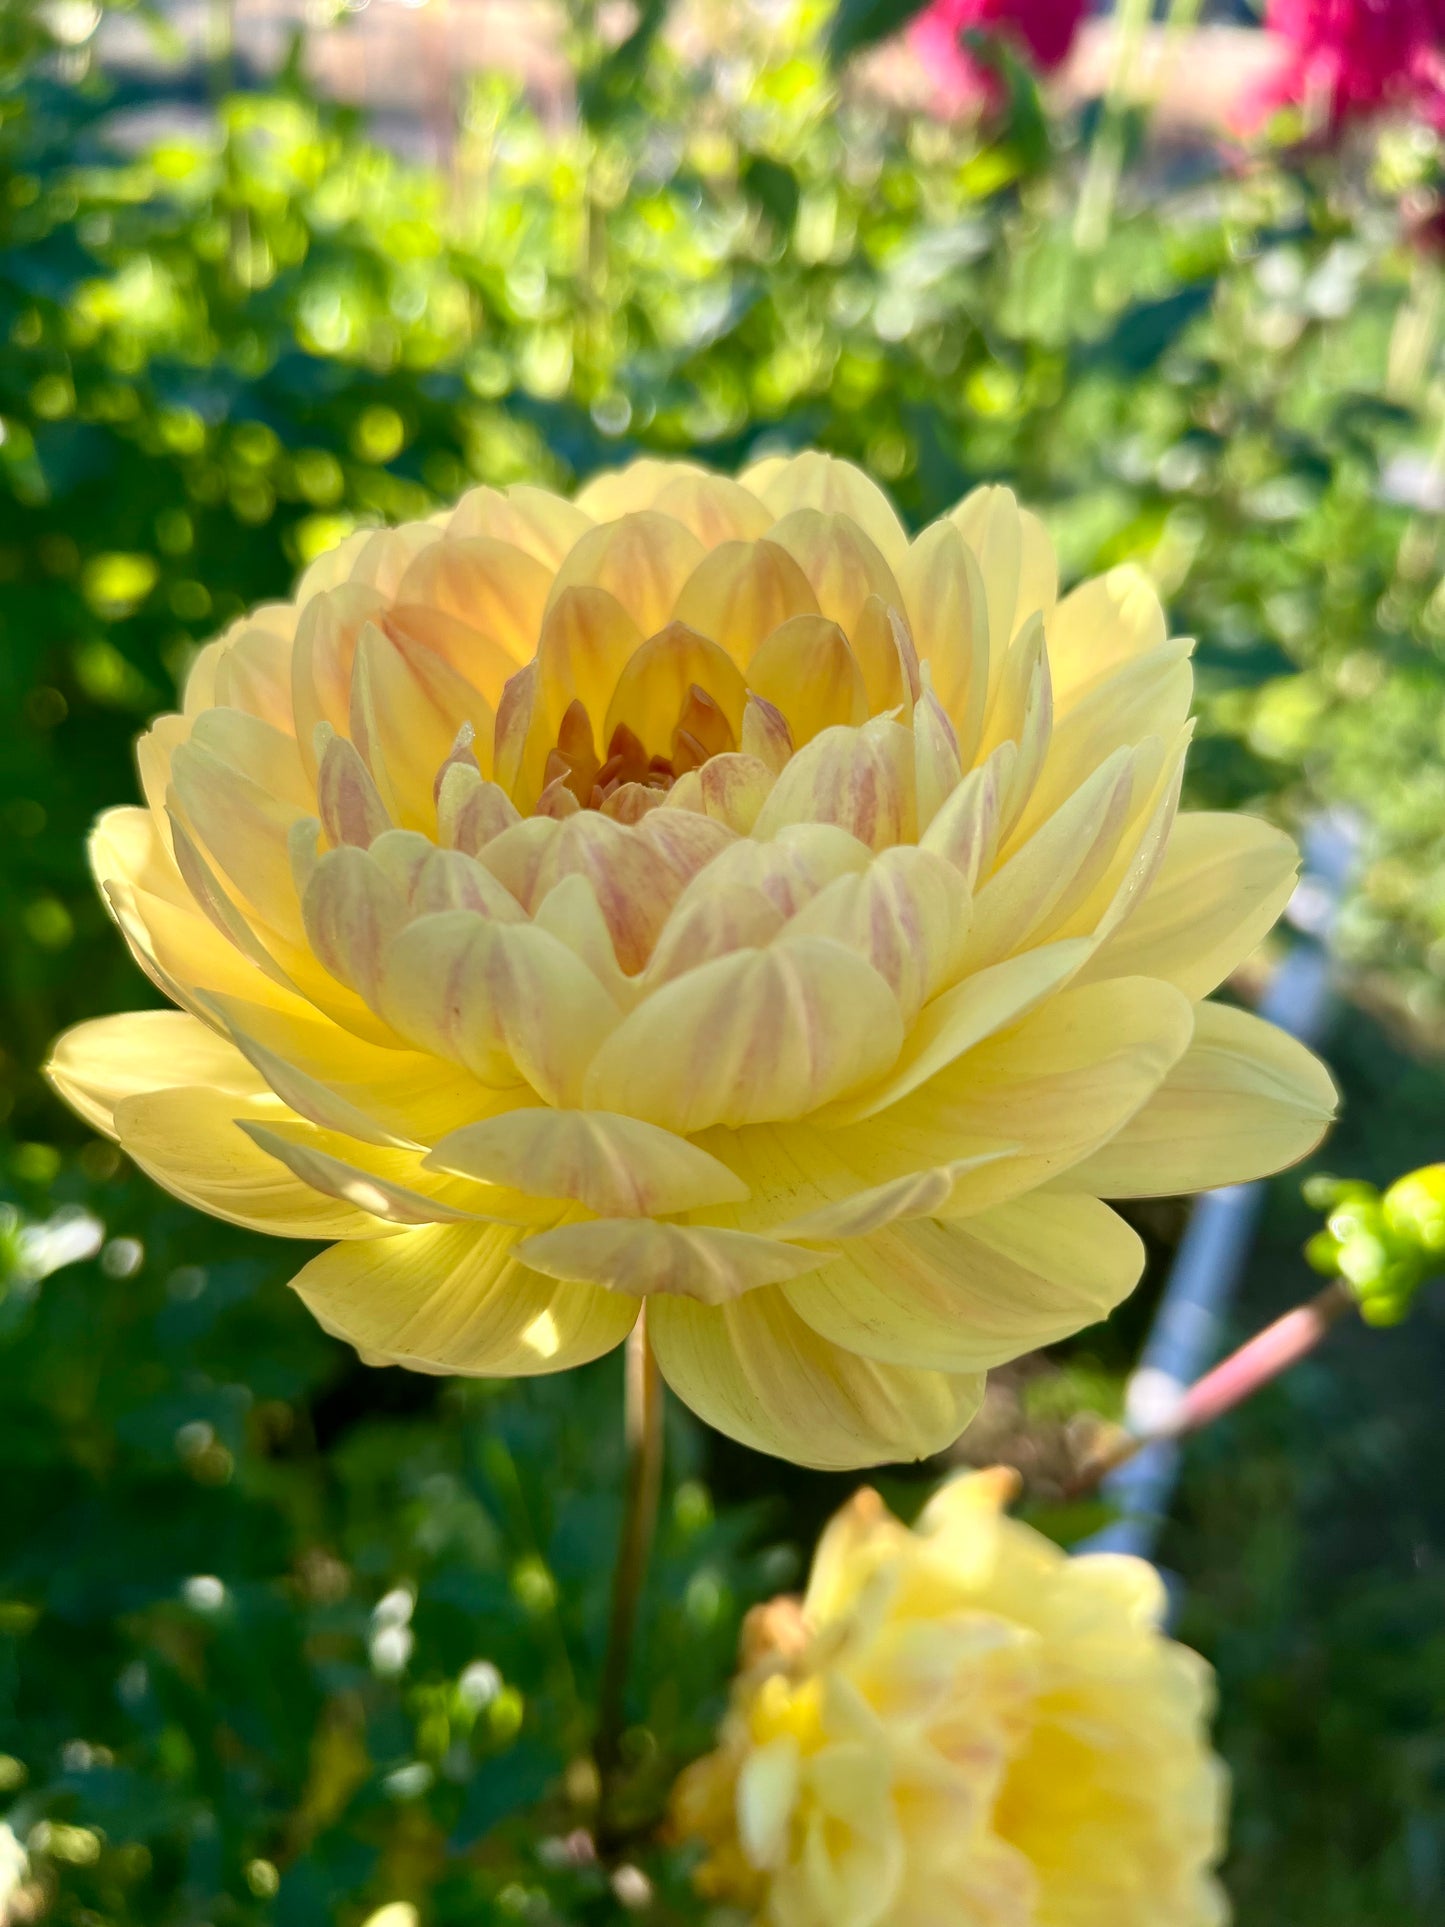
<point>1346,59</point>
<point>1041,30</point>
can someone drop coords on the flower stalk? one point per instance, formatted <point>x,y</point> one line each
<point>1257,1363</point>
<point>643,1410</point>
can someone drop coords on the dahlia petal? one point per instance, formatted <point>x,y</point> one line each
<point>966,828</point>
<point>725,917</point>
<point>749,1037</point>
<point>643,559</point>
<point>715,507</point>
<point>740,592</point>
<point>961,1017</point>
<point>937,767</point>
<point>492,587</point>
<point>407,706</point>
<point>253,669</point>
<point>753,1370</point>
<point>528,518</point>
<point>619,1167</point>
<point>806,670</point>
<point>1222,883</point>
<point>206,890</point>
<point>153,753</point>
<point>917,1195</point>
<point>471,812</point>
<point>860,780</point>
<point>384,556</point>
<point>325,647</point>
<point>264,754</point>
<point>634,883</point>
<point>843,565</point>
<point>244,828</point>
<point>1244,1100</point>
<point>966,1297</point>
<point>1100,627</point>
<point>95,1065</point>
<point>480,662</point>
<point>1057,1086</point>
<point>1031,892</point>
<point>587,640</point>
<point>353,910</point>
<point>790,870</point>
<point>1016,557</point>
<point>906,914</point>
<point>395,1098</point>
<point>947,607</point>
<point>350,1183</point>
<point>1149,696</point>
<point>188,1139</point>
<point>732,789</point>
<point>654,686</point>
<point>884,649</point>
<point>645,1258</point>
<point>503,1000</point>
<point>765,734</point>
<point>570,912</point>
<point>816,481</point>
<point>455,1298</point>
<point>616,492</point>
<point>349,802</point>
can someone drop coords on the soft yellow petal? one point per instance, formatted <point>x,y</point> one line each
<point>817,481</point>
<point>839,559</point>
<point>653,688</point>
<point>739,593</point>
<point>455,1298</point>
<point>382,1095</point>
<point>493,588</point>
<point>1058,1085</point>
<point>907,914</point>
<point>966,1297</point>
<point>947,607</point>
<point>95,1065</point>
<point>1033,892</point>
<point>337,1177</point>
<point>504,1000</point>
<point>529,518</point>
<point>753,1370</point>
<point>859,780</point>
<point>616,1166</point>
<point>1016,559</point>
<point>645,1258</point>
<point>918,1195</point>
<point>751,1036</point>
<point>642,559</point>
<point>961,1017</point>
<point>1222,883</point>
<point>1100,627</point>
<point>806,670</point>
<point>1245,1099</point>
<point>189,1141</point>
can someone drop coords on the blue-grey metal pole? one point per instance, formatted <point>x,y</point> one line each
<point>1188,1330</point>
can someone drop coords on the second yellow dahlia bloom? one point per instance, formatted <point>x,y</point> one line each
<point>701,894</point>
<point>961,1727</point>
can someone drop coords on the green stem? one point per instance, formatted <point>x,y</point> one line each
<point>643,1425</point>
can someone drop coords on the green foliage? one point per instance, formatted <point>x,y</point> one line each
<point>219,352</point>
<point>1384,1245</point>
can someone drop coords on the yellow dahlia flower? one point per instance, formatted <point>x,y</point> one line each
<point>961,1727</point>
<point>697,893</point>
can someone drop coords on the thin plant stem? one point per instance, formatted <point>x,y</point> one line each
<point>643,1428</point>
<point>1257,1363</point>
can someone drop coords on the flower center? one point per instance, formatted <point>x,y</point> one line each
<point>594,780</point>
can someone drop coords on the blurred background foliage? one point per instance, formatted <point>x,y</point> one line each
<point>283,1640</point>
